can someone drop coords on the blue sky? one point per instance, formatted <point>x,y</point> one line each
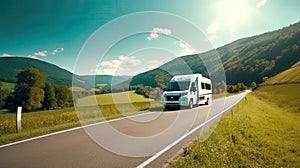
<point>56,31</point>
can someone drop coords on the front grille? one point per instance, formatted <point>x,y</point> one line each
<point>173,98</point>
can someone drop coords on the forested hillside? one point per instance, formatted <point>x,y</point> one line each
<point>246,60</point>
<point>291,75</point>
<point>11,66</point>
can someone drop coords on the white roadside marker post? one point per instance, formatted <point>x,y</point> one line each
<point>18,122</point>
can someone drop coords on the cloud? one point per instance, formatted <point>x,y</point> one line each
<point>38,54</point>
<point>212,29</point>
<point>129,60</point>
<point>6,55</point>
<point>186,49</point>
<point>261,3</point>
<point>110,67</point>
<point>41,53</point>
<point>155,33</point>
<point>57,50</point>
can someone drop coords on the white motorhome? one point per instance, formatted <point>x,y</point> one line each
<point>188,91</point>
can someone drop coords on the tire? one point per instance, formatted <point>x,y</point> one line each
<point>166,108</point>
<point>190,104</point>
<point>206,103</point>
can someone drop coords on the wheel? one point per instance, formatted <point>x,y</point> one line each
<point>206,103</point>
<point>166,108</point>
<point>190,104</point>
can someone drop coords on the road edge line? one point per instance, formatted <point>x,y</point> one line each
<point>69,130</point>
<point>158,154</point>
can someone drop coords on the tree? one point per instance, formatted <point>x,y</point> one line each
<point>29,90</point>
<point>49,98</point>
<point>9,102</point>
<point>63,96</point>
<point>1,96</point>
<point>265,79</point>
<point>253,86</point>
<point>219,87</point>
<point>143,90</point>
<point>241,86</point>
<point>155,93</point>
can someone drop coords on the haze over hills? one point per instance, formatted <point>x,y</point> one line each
<point>245,60</point>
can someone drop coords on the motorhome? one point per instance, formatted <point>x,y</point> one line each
<point>187,91</point>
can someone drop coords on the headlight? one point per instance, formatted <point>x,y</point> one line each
<point>184,93</point>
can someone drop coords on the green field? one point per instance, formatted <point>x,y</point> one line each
<point>256,133</point>
<point>290,75</point>
<point>7,86</point>
<point>115,98</point>
<point>42,122</point>
<point>285,95</point>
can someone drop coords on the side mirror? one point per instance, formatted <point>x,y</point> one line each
<point>193,89</point>
<point>164,89</point>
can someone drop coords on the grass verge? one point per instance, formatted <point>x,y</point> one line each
<point>256,133</point>
<point>43,122</point>
<point>285,95</point>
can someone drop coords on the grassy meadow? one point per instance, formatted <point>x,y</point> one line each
<point>42,122</point>
<point>258,132</point>
<point>8,86</point>
<point>285,95</point>
<point>290,75</point>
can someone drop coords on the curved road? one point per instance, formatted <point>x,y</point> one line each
<point>137,141</point>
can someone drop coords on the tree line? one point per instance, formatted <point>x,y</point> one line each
<point>33,93</point>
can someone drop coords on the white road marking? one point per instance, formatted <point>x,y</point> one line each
<point>71,129</point>
<point>158,154</point>
<point>148,161</point>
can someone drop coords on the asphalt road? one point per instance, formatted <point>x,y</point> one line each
<point>142,140</point>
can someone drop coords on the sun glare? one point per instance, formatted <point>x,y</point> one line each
<point>233,12</point>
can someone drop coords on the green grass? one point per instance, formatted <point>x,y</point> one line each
<point>36,123</point>
<point>8,86</point>
<point>221,95</point>
<point>256,133</point>
<point>290,75</point>
<point>114,98</point>
<point>285,95</point>
<point>42,122</point>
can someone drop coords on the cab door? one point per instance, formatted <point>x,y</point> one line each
<point>194,93</point>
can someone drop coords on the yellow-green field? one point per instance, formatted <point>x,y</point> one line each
<point>113,98</point>
<point>42,122</point>
<point>285,95</point>
<point>7,86</point>
<point>257,133</point>
<point>290,75</point>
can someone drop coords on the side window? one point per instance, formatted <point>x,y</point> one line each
<point>208,86</point>
<point>202,85</point>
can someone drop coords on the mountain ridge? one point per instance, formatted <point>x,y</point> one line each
<point>245,60</point>
<point>11,66</point>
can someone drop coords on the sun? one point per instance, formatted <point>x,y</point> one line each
<point>234,12</point>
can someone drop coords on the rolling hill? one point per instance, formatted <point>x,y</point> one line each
<point>11,66</point>
<point>291,75</point>
<point>245,60</point>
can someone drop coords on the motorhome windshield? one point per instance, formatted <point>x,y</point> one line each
<point>178,85</point>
